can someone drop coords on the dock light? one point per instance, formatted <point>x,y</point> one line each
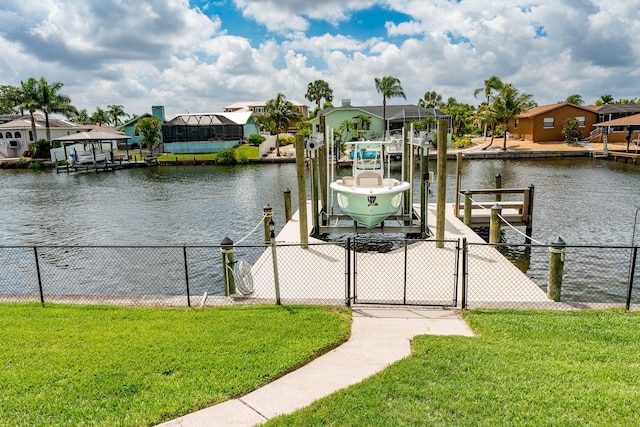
<point>272,229</point>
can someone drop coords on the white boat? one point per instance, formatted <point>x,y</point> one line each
<point>87,157</point>
<point>367,196</point>
<point>394,150</point>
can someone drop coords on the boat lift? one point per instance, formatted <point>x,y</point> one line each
<point>328,218</point>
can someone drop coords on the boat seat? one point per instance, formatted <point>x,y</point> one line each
<point>347,181</point>
<point>369,179</point>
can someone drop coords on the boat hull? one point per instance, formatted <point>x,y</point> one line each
<point>370,206</point>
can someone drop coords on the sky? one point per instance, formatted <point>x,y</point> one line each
<point>200,56</point>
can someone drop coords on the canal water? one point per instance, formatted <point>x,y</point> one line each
<point>585,201</point>
<point>582,200</point>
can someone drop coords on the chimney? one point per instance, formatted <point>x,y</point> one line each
<point>346,103</point>
<point>158,111</point>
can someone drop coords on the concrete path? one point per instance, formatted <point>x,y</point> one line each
<point>379,337</point>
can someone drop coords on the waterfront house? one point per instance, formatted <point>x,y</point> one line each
<point>618,118</point>
<point>129,128</point>
<point>396,116</point>
<point>257,107</point>
<point>17,134</point>
<point>545,123</point>
<point>207,132</point>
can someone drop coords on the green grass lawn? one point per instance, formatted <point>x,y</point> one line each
<point>522,368</point>
<point>249,151</point>
<point>105,366</point>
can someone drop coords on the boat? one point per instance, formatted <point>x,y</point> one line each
<point>394,150</point>
<point>367,196</point>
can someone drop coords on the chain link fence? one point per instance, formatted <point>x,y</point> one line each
<point>355,271</point>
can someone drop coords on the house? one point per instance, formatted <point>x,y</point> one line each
<point>545,123</point>
<point>129,128</point>
<point>257,107</point>
<point>17,134</point>
<point>618,119</point>
<point>396,116</point>
<point>207,132</point>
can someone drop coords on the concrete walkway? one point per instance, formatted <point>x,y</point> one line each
<point>379,337</point>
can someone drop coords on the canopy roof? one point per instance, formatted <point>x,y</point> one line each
<point>622,121</point>
<point>91,137</point>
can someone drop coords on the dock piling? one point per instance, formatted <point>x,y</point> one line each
<point>228,259</point>
<point>267,216</point>
<point>494,224</point>
<point>287,205</point>
<point>498,196</point>
<point>556,268</point>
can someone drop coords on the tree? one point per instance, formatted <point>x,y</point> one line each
<point>279,115</point>
<point>362,123</point>
<point>491,85</point>
<point>388,87</point>
<point>10,99</point>
<point>508,104</point>
<point>30,101</point>
<point>345,129</point>
<point>487,117</point>
<point>571,130</point>
<point>604,100</point>
<point>461,115</point>
<point>149,130</point>
<point>51,101</point>
<point>115,112</point>
<point>319,90</point>
<point>81,117</point>
<point>431,100</point>
<point>575,99</point>
<point>99,117</point>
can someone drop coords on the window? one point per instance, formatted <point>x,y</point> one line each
<point>515,124</point>
<point>7,135</point>
<point>581,121</point>
<point>548,122</point>
<point>17,135</point>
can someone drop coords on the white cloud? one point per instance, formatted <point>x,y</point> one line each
<point>166,52</point>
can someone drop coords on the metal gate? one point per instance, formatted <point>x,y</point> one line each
<point>403,272</point>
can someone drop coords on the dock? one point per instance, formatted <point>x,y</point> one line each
<point>379,275</point>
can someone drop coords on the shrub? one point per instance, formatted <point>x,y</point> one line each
<point>571,130</point>
<point>35,165</point>
<point>460,142</point>
<point>27,153</point>
<point>226,156</point>
<point>255,139</point>
<point>286,139</point>
<point>241,158</point>
<point>40,149</point>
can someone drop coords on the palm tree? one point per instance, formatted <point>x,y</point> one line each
<point>487,117</point>
<point>149,130</point>
<point>81,117</point>
<point>491,84</point>
<point>115,112</point>
<point>52,102</point>
<point>575,99</point>
<point>99,117</point>
<point>280,114</point>
<point>318,90</point>
<point>431,100</point>
<point>29,100</point>
<point>388,87</point>
<point>508,104</point>
<point>605,99</point>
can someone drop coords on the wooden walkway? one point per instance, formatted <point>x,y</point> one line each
<point>317,274</point>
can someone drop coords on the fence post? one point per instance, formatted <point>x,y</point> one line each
<point>465,273</point>
<point>274,257</point>
<point>35,252</point>
<point>287,205</point>
<point>228,258</point>
<point>348,273</point>
<point>498,197</point>
<point>267,216</point>
<point>632,270</point>
<point>556,268</point>
<point>494,224</point>
<point>467,208</point>
<point>186,275</point>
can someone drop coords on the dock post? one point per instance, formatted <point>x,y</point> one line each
<point>442,182</point>
<point>266,217</point>
<point>274,259</point>
<point>467,208</point>
<point>556,268</point>
<point>302,191</point>
<point>529,213</point>
<point>494,224</point>
<point>228,259</point>
<point>498,196</point>
<point>287,205</point>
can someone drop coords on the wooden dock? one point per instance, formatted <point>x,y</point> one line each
<point>618,155</point>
